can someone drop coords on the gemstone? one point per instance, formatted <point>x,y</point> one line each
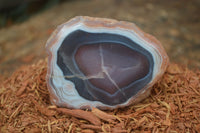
<point>104,63</point>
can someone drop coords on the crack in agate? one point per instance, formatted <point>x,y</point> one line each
<point>133,67</point>
<point>104,70</point>
<point>97,76</point>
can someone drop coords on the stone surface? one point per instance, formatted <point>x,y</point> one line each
<point>111,66</point>
<point>104,63</point>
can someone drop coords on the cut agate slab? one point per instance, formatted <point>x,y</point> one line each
<point>103,63</point>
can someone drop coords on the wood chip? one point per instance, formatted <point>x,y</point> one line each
<point>81,114</point>
<point>103,115</point>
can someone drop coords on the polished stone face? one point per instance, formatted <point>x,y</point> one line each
<point>111,66</point>
<point>104,67</point>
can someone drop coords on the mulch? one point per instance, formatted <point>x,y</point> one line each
<point>172,107</point>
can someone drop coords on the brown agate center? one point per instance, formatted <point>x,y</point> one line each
<point>111,66</point>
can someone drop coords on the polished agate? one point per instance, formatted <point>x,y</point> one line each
<point>103,63</point>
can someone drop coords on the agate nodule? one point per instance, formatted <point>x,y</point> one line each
<point>104,63</point>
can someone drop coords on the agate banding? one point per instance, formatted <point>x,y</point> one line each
<point>104,63</point>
